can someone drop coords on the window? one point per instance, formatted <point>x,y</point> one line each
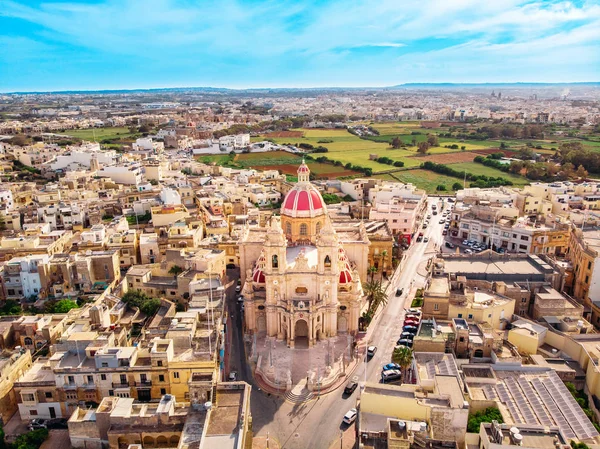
<point>33,412</point>
<point>327,262</point>
<point>303,229</point>
<point>104,364</point>
<point>71,379</point>
<point>470,316</point>
<point>159,363</point>
<point>522,246</point>
<point>589,265</point>
<point>318,227</point>
<point>587,278</point>
<point>524,237</point>
<point>523,300</point>
<point>48,395</point>
<point>176,375</point>
<point>394,221</point>
<point>163,391</point>
<point>288,228</point>
<point>72,395</point>
<point>436,306</point>
<point>460,315</point>
<point>161,378</point>
<point>28,397</point>
<point>28,341</point>
<point>461,339</point>
<point>275,261</point>
<point>102,376</point>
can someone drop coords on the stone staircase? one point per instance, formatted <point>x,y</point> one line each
<point>299,393</point>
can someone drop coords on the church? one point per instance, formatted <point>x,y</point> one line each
<point>301,274</point>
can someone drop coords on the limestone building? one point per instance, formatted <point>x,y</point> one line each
<point>301,274</point>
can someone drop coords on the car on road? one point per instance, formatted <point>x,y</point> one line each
<point>351,385</point>
<point>449,245</point>
<point>350,416</point>
<point>409,328</point>
<point>37,423</point>
<point>389,375</point>
<point>404,342</point>
<point>445,232</point>
<point>426,239</point>
<point>420,238</point>
<point>435,212</point>
<point>429,216</point>
<point>232,376</point>
<point>468,251</point>
<point>399,291</point>
<point>414,311</point>
<point>425,225</point>
<point>390,366</point>
<point>240,299</point>
<point>371,350</point>
<point>465,242</point>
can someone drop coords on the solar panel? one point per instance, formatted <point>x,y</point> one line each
<point>522,404</point>
<point>490,392</point>
<point>430,366</point>
<point>558,417</point>
<point>571,410</point>
<point>510,404</point>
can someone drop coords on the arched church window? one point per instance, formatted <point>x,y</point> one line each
<point>301,290</point>
<point>275,261</point>
<point>318,228</point>
<point>327,262</point>
<point>303,229</point>
<point>28,341</point>
<point>288,228</point>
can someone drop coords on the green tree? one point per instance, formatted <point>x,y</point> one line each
<point>396,142</point>
<point>402,355</point>
<point>433,140</point>
<point>150,306</point>
<point>30,440</point>
<point>414,141</point>
<point>423,147</point>
<point>488,415</point>
<point>384,254</point>
<point>175,270</point>
<point>371,271</point>
<point>457,186</point>
<point>375,296</point>
<point>63,306</point>
<point>440,188</point>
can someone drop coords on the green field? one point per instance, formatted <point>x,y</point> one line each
<point>347,147</point>
<point>427,180</point>
<point>99,133</point>
<point>480,169</point>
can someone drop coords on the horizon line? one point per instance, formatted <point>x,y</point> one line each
<point>241,89</point>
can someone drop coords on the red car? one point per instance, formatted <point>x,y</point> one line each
<point>411,323</point>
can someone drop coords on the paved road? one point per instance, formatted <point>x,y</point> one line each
<point>317,424</point>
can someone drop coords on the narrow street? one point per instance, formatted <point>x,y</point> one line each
<point>318,423</point>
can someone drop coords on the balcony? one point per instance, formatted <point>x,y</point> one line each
<point>70,386</point>
<point>122,385</point>
<point>145,383</point>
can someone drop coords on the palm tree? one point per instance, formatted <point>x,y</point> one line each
<point>402,355</point>
<point>376,295</point>
<point>176,270</point>
<point>371,271</point>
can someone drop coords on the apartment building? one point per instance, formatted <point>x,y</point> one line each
<point>584,251</point>
<point>12,366</point>
<point>123,174</point>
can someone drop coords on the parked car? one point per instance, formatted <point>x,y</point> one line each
<point>406,336</point>
<point>350,417</point>
<point>240,299</point>
<point>412,316</point>
<point>449,245</point>
<point>371,350</point>
<point>351,385</point>
<point>404,342</point>
<point>413,323</point>
<point>390,366</point>
<point>409,328</point>
<point>399,291</point>
<point>233,376</point>
<point>238,288</point>
<point>465,242</point>
<point>420,238</point>
<point>435,212</point>
<point>424,225</point>
<point>389,375</point>
<point>425,239</point>
<point>414,311</point>
<point>445,232</point>
<point>442,221</point>
<point>468,251</point>
<point>37,423</point>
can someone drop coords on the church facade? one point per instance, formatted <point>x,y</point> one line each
<point>301,275</point>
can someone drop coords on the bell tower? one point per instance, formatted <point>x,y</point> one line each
<point>275,248</point>
<point>303,172</point>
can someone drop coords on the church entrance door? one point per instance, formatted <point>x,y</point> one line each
<point>301,334</point>
<point>261,324</point>
<point>342,323</point>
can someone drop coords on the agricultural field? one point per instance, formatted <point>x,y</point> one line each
<point>480,169</point>
<point>448,158</point>
<point>282,161</point>
<point>99,133</point>
<point>347,147</point>
<point>427,180</point>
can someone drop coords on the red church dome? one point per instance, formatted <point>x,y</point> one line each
<point>304,200</point>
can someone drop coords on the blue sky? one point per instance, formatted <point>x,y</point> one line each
<point>110,44</point>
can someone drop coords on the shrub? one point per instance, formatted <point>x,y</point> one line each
<point>488,415</point>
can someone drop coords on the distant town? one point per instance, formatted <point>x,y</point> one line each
<point>403,267</point>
